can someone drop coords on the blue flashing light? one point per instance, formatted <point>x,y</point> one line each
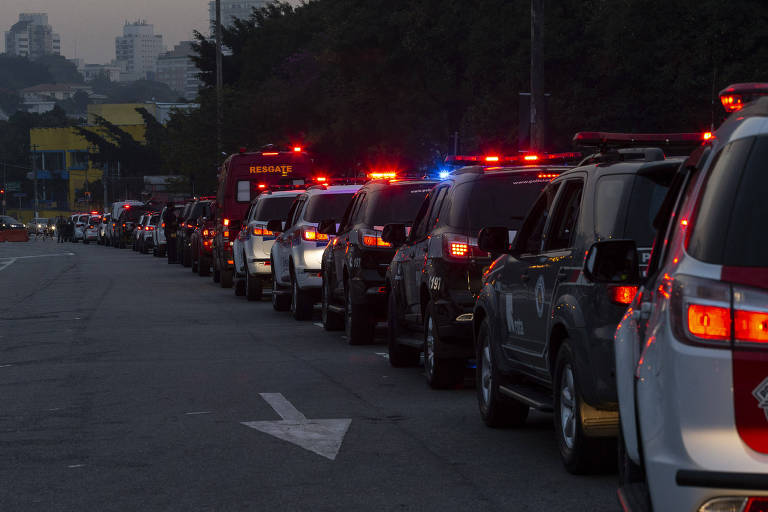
<point>444,174</point>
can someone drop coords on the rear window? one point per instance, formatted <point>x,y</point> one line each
<point>201,209</point>
<point>626,204</point>
<point>501,200</point>
<point>269,208</point>
<point>154,220</point>
<point>133,215</point>
<point>730,225</point>
<point>395,204</point>
<point>327,206</point>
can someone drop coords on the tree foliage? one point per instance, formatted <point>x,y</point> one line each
<point>373,82</point>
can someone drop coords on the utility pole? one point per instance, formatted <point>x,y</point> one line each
<point>34,176</point>
<point>537,92</point>
<point>219,80</point>
<point>5,183</point>
<point>104,176</point>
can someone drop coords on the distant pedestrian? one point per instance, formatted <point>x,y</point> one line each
<point>70,230</point>
<point>171,226</point>
<point>59,229</point>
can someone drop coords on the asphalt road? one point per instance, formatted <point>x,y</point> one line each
<point>125,383</point>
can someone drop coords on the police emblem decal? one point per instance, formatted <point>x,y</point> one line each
<point>761,394</point>
<point>539,294</point>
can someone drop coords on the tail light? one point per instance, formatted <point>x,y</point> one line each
<point>162,225</point>
<point>139,228</point>
<point>226,222</point>
<point>736,504</point>
<point>257,231</point>
<point>310,234</point>
<point>623,295</point>
<point>226,234</point>
<point>718,313</point>
<point>150,228</point>
<point>461,247</point>
<point>205,232</point>
<point>372,238</point>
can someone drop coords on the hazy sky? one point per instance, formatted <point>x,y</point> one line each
<point>89,27</point>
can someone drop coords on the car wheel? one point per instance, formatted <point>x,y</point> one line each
<point>216,274</point>
<point>240,287</point>
<point>332,321</point>
<point>280,302</point>
<point>496,409</point>
<point>441,373</point>
<point>301,301</point>
<point>399,356</point>
<point>579,453</point>
<point>253,288</point>
<point>358,323</point>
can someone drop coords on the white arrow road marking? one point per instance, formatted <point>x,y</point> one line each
<point>7,262</point>
<point>324,437</point>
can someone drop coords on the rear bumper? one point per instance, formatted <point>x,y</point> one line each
<point>454,328</point>
<point>372,294</point>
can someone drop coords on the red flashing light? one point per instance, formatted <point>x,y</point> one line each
<point>491,159</point>
<point>261,185</point>
<point>707,135</point>
<point>298,149</point>
<point>270,153</point>
<point>94,213</point>
<point>126,206</point>
<point>226,222</point>
<point>735,96</point>
<point>546,176</point>
<point>531,158</point>
<point>321,179</point>
<point>382,175</point>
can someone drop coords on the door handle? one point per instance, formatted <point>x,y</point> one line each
<point>524,277</point>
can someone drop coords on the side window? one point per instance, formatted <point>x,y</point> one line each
<point>359,208</point>
<point>344,225</point>
<point>437,205</point>
<point>419,223</point>
<point>531,233</point>
<point>292,214</point>
<point>560,234</point>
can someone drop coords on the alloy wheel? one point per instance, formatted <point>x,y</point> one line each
<point>568,407</point>
<point>486,373</point>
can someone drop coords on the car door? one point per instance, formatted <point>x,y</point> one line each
<point>518,324</point>
<point>557,262</point>
<point>342,243</point>
<point>282,247</point>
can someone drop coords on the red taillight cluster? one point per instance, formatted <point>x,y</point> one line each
<point>372,238</point>
<point>623,295</point>
<point>461,247</point>
<point>257,231</point>
<point>310,234</point>
<point>709,322</point>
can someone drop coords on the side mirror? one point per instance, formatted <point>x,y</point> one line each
<point>327,227</point>
<point>275,226</point>
<point>394,234</point>
<point>612,261</point>
<point>494,240</point>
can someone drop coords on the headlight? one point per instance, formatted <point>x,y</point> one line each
<point>53,228</point>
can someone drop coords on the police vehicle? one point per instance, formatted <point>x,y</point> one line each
<point>692,350</point>
<point>354,265</point>
<point>296,253</point>
<point>543,327</point>
<point>253,245</point>
<point>434,277</point>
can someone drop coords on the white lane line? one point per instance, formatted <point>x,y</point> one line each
<point>196,413</point>
<point>7,262</point>
<point>5,365</point>
<point>73,466</point>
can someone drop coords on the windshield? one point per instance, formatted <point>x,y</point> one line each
<point>8,220</point>
<point>501,200</point>
<point>326,206</point>
<point>395,203</point>
<point>269,208</point>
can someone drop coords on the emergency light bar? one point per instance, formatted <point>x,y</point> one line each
<point>382,175</point>
<point>624,140</point>
<point>735,96</point>
<point>529,158</point>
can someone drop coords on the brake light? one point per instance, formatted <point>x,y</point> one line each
<point>262,185</point>
<point>138,228</point>
<point>226,234</point>
<point>751,326</point>
<point>321,179</point>
<point>150,228</point>
<point>205,232</point>
<point>262,232</point>
<point>460,247</point>
<point>226,222</point>
<point>707,135</point>
<point>310,234</point>
<point>162,225</point>
<point>297,149</point>
<point>709,322</point>
<point>372,238</point>
<point>623,295</point>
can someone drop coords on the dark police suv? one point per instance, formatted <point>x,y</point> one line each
<point>435,276</point>
<point>543,324</point>
<point>355,263</point>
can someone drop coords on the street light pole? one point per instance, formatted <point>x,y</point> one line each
<point>34,177</point>
<point>219,79</point>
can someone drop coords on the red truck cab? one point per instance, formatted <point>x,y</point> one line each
<point>242,177</point>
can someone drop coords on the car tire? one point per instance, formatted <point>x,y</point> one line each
<point>239,287</point>
<point>358,324</point>
<point>496,410</point>
<point>216,274</point>
<point>400,356</point>
<point>579,453</point>
<point>253,288</point>
<point>441,373</point>
<point>302,304</point>
<point>332,321</point>
<point>280,302</point>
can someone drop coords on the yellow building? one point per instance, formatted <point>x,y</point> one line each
<point>63,154</point>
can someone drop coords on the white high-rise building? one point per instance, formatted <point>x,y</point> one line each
<point>231,9</point>
<point>137,51</point>
<point>32,37</point>
<point>177,69</point>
